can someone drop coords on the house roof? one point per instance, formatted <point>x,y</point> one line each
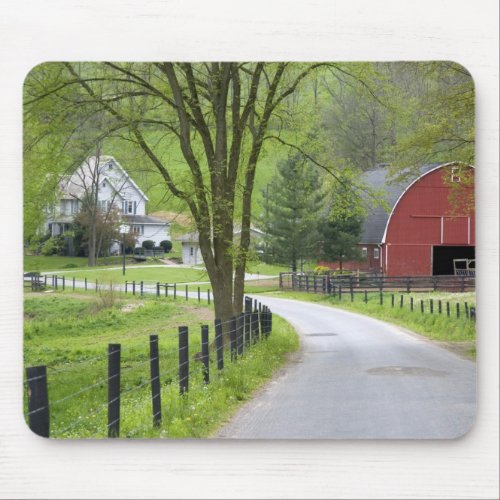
<point>374,225</point>
<point>74,185</point>
<point>143,219</point>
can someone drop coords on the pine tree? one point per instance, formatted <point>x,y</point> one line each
<point>294,201</point>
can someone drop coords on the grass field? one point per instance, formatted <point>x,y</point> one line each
<point>458,333</point>
<point>70,332</point>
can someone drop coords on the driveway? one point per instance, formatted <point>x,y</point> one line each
<point>359,378</point>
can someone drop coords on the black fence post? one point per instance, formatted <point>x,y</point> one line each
<point>38,400</point>
<point>45,281</point>
<point>199,294</point>
<point>458,310</point>
<point>421,306</point>
<point>183,359</point>
<point>351,288</point>
<point>157,288</point>
<point>186,292</point>
<point>270,322</point>
<point>175,291</point>
<point>96,286</point>
<point>204,354</point>
<point>73,283</point>
<point>401,301</point>
<point>126,287</point>
<point>392,300</point>
<point>166,289</point>
<point>85,283</point>
<point>240,333</point>
<point>254,322</point>
<point>133,287</point>
<point>142,288</point>
<point>340,291</point>
<point>431,305</point>
<point>473,314</point>
<point>208,296</point>
<point>366,297</point>
<point>154,362</point>
<point>248,311</point>
<point>232,337</point>
<point>408,285</point>
<point>466,307</point>
<point>411,304</point>
<point>114,351</point>
<point>64,282</point>
<point>440,306</point>
<point>381,298</point>
<point>448,309</point>
<point>219,344</point>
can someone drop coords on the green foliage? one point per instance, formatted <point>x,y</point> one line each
<point>55,245</point>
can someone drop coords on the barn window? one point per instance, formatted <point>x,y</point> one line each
<point>376,253</point>
<point>191,251</point>
<point>454,174</point>
<point>364,252</point>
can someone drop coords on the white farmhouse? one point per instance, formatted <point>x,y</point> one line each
<point>115,189</point>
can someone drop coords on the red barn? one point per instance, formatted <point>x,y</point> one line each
<point>431,223</point>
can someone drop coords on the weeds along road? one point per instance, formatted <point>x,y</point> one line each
<point>358,377</point>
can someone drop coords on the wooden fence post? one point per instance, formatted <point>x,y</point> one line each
<point>219,344</point>
<point>232,337</point>
<point>208,296</point>
<point>133,287</point>
<point>248,311</point>
<point>154,363</point>
<point>254,322</point>
<point>85,283</point>
<point>38,400</point>
<point>183,360</point>
<point>204,354</point>
<point>114,351</point>
<point>240,322</point>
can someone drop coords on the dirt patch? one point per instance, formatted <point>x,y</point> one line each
<point>466,350</point>
<point>202,313</point>
<point>131,306</point>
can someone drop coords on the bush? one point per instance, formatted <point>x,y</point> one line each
<point>54,246</point>
<point>321,270</point>
<point>166,245</point>
<point>148,244</point>
<point>70,265</point>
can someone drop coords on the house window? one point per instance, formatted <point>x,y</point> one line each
<point>103,205</point>
<point>129,207</point>
<point>74,206</point>
<point>191,251</point>
<point>454,174</point>
<point>364,252</point>
<point>136,229</point>
<point>376,253</point>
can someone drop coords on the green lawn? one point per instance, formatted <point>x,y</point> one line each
<point>146,274</point>
<point>70,332</point>
<point>56,263</point>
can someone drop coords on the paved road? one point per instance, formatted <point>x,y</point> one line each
<point>357,377</point>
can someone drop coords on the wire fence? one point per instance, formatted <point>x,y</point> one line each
<point>120,376</point>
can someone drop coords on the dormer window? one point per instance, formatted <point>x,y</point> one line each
<point>454,174</point>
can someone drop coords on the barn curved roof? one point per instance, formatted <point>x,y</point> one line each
<point>373,228</point>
